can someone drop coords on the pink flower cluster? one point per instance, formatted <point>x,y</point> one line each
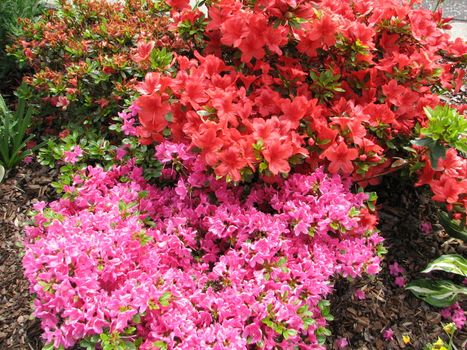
<point>456,314</point>
<point>398,272</point>
<point>195,263</point>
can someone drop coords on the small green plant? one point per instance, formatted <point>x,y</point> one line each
<point>450,330</point>
<point>441,293</point>
<point>13,133</point>
<point>446,127</point>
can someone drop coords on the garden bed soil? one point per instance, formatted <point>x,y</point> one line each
<point>360,321</point>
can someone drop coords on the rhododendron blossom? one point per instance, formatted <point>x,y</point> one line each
<point>194,264</point>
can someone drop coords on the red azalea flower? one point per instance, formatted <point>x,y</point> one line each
<point>152,112</point>
<point>447,189</point>
<point>277,152</point>
<point>231,162</point>
<point>144,50</point>
<point>340,157</point>
<point>178,4</point>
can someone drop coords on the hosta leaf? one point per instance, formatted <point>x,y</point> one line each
<point>452,263</point>
<point>2,173</point>
<point>452,228</point>
<point>437,293</point>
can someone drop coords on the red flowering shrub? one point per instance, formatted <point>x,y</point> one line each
<point>85,56</point>
<point>195,264</point>
<point>282,86</point>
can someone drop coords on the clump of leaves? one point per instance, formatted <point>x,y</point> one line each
<point>13,133</point>
<point>446,127</point>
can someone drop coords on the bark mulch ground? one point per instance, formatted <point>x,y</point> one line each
<point>18,328</point>
<point>360,321</point>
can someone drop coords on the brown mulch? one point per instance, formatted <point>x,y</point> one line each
<point>360,321</point>
<point>18,328</point>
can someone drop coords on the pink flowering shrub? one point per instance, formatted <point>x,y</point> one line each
<point>193,263</point>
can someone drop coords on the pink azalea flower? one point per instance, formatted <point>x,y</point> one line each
<point>395,269</point>
<point>426,228</point>
<point>73,155</point>
<point>341,343</point>
<point>360,294</point>
<point>28,160</point>
<point>400,281</point>
<point>388,334</point>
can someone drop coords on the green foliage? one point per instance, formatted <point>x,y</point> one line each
<point>13,133</point>
<point>160,58</point>
<point>446,127</point>
<point>452,227</point>
<point>437,293</point>
<point>441,293</point>
<point>326,84</point>
<point>10,12</point>
<point>96,148</point>
<point>452,263</point>
<point>83,53</point>
<point>450,329</point>
<point>112,341</point>
<point>2,173</point>
<point>96,151</point>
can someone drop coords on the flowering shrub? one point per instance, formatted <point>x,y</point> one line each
<point>85,55</point>
<point>195,264</point>
<point>282,86</point>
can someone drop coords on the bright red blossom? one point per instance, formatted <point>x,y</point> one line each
<point>277,152</point>
<point>340,157</point>
<point>152,112</point>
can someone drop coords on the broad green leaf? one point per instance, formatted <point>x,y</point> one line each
<point>437,293</point>
<point>452,263</point>
<point>2,173</point>
<point>452,228</point>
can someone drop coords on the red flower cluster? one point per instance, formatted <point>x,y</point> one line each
<point>447,180</point>
<point>282,84</point>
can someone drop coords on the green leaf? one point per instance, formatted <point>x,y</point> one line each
<point>160,345</point>
<point>2,173</point>
<point>437,293</point>
<point>289,333</point>
<point>164,300</point>
<point>453,263</point>
<point>49,346</point>
<point>452,228</point>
